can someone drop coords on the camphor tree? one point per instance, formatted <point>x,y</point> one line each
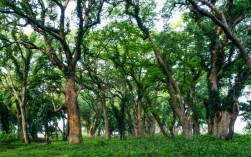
<point>227,45</point>
<point>51,24</point>
<point>134,10</point>
<point>17,67</point>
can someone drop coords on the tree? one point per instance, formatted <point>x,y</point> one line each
<point>21,69</point>
<point>222,116</point>
<point>227,17</point>
<point>41,16</point>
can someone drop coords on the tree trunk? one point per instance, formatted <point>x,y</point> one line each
<point>130,124</point>
<point>172,125</point>
<point>176,97</point>
<point>75,134</point>
<point>156,116</point>
<point>223,124</point>
<point>23,114</point>
<point>104,109</point>
<point>172,86</point>
<point>186,125</point>
<point>162,129</point>
<point>195,118</point>
<point>152,120</point>
<point>19,122</point>
<point>107,129</point>
<point>46,134</point>
<point>24,125</point>
<point>139,129</point>
<point>152,127</point>
<point>196,125</point>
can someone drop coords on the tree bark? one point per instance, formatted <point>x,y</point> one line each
<point>175,100</point>
<point>22,109</point>
<point>24,125</point>
<point>19,121</point>
<point>195,118</point>
<point>46,133</point>
<point>139,129</point>
<point>107,128</point>
<point>75,134</point>
<point>104,109</point>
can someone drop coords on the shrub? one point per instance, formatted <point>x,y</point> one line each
<point>6,139</point>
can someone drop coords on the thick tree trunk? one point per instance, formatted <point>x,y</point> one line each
<point>75,134</point>
<point>223,124</point>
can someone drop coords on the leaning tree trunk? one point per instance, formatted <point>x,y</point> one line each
<point>75,134</point>
<point>176,96</point>
<point>156,116</point>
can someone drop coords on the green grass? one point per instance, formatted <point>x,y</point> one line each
<point>200,146</point>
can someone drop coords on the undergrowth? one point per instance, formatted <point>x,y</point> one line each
<point>199,146</point>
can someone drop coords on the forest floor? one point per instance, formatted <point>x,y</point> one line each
<point>200,146</point>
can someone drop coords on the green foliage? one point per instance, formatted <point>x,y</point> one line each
<point>7,139</point>
<point>158,146</point>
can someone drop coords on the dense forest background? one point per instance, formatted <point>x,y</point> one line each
<point>103,67</point>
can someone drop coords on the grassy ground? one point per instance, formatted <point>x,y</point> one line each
<point>200,146</point>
